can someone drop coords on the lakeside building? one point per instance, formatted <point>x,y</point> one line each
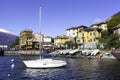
<point>32,41</point>
<point>85,37</point>
<point>26,39</point>
<point>47,39</point>
<point>88,37</point>
<point>48,42</point>
<point>101,25</point>
<point>117,29</point>
<point>72,32</point>
<point>59,41</point>
<point>37,38</point>
<point>4,47</point>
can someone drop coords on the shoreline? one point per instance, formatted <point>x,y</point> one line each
<point>22,52</point>
<point>36,53</point>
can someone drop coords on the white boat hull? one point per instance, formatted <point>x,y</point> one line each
<point>44,63</point>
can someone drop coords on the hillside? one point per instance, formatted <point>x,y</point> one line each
<point>113,21</point>
<point>6,37</point>
<point>110,40</point>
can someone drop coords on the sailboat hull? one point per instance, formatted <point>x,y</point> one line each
<point>44,63</point>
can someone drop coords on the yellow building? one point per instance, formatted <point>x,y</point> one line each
<point>26,39</point>
<point>59,41</point>
<point>88,36</point>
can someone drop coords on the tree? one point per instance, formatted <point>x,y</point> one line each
<point>71,44</point>
<point>16,42</point>
<point>111,41</point>
<point>114,21</point>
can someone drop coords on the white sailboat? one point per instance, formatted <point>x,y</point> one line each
<point>42,62</point>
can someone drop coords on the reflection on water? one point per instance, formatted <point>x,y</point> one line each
<point>76,69</point>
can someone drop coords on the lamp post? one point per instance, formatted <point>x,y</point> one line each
<point>26,41</point>
<point>95,29</point>
<point>83,38</point>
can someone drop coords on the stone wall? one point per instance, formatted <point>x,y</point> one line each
<point>21,52</point>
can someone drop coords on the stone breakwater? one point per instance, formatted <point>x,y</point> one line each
<point>21,52</point>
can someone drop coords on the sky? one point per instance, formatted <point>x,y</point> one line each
<point>57,15</point>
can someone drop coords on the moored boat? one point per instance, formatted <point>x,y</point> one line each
<point>44,63</point>
<point>116,53</point>
<point>1,52</point>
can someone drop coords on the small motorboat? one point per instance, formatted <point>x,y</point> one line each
<point>1,52</point>
<point>44,63</point>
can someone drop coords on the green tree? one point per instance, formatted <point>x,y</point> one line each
<point>112,41</point>
<point>16,42</point>
<point>71,44</point>
<point>114,21</point>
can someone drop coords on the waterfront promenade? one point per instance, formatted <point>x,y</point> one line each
<point>22,52</point>
<point>65,53</point>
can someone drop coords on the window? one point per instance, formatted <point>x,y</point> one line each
<point>73,33</point>
<point>90,40</point>
<point>90,33</point>
<point>94,39</point>
<point>78,40</point>
<point>93,33</point>
<point>82,34</point>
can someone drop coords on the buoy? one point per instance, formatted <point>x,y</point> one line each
<point>12,66</point>
<point>8,74</point>
<point>12,60</point>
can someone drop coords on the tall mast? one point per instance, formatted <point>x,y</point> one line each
<point>40,26</point>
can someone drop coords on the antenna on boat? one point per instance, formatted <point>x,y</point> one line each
<point>40,26</point>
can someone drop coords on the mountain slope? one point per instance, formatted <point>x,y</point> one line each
<point>5,31</point>
<point>113,21</point>
<point>6,37</point>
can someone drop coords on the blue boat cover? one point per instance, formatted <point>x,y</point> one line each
<point>41,52</point>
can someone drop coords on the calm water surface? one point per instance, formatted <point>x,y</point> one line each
<point>77,69</point>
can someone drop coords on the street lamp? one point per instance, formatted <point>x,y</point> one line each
<point>26,41</point>
<point>83,39</point>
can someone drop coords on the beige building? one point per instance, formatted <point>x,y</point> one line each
<point>59,41</point>
<point>46,41</point>
<point>37,40</point>
<point>117,29</point>
<point>101,25</point>
<point>37,37</point>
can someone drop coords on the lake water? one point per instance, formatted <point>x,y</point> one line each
<point>77,69</point>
